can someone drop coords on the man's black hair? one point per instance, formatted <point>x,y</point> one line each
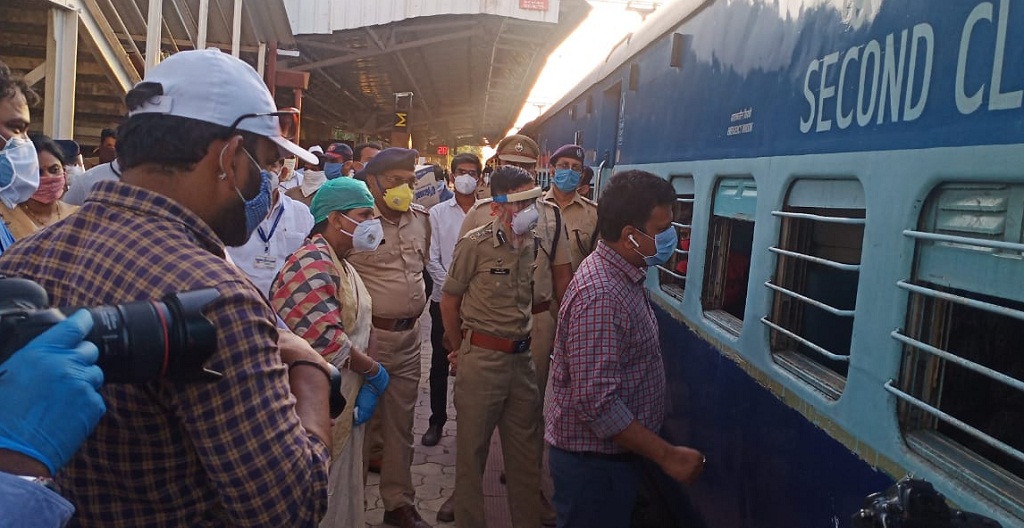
<point>44,143</point>
<point>629,199</point>
<point>11,84</point>
<point>173,142</point>
<point>357,151</point>
<point>505,179</point>
<point>466,157</point>
<point>107,133</point>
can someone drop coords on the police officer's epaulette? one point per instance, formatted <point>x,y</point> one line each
<point>483,232</point>
<point>418,208</point>
<point>588,201</point>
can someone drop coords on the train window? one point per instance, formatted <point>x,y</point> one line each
<point>577,137</point>
<point>961,398</point>
<point>730,240</point>
<point>814,288</point>
<point>590,104</point>
<point>672,275</point>
<point>634,77</point>
<point>572,112</point>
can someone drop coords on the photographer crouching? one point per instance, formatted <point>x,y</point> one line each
<point>252,447</point>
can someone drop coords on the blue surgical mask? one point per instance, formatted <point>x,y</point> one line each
<point>664,242</point>
<point>567,179</point>
<point>332,170</point>
<point>257,208</point>
<point>19,171</point>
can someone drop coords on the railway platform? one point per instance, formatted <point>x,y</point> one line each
<point>433,470</point>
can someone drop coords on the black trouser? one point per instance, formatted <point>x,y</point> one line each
<point>438,368</point>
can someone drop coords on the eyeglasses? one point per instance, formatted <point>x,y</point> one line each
<point>287,122</point>
<point>464,172</point>
<point>577,166</point>
<point>56,169</point>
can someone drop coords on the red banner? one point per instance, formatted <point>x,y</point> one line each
<point>534,5</point>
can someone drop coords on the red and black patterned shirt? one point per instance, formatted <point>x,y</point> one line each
<point>606,368</point>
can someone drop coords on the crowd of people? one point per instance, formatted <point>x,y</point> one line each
<point>536,302</point>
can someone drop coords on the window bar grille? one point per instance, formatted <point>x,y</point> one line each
<point>805,342</point>
<point>684,200</point>
<point>821,218</point>
<point>681,226</point>
<point>672,273</point>
<point>816,260</point>
<point>953,239</point>
<point>965,301</point>
<point>963,426</point>
<point>953,358</point>
<point>814,302</point>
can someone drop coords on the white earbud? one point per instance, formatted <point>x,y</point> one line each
<point>633,240</point>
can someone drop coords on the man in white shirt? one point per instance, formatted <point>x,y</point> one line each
<point>445,221</point>
<point>279,235</point>
<point>82,184</point>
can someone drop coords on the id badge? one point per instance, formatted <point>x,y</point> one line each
<point>265,262</point>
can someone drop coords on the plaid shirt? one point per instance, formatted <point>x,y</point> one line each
<point>305,294</point>
<point>606,368</point>
<point>229,453</point>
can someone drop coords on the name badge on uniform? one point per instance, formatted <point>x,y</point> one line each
<point>265,262</point>
<point>500,271</point>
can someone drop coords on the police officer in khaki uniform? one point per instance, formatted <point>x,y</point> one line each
<point>394,277</point>
<point>486,307</point>
<point>551,275</point>
<point>578,213</point>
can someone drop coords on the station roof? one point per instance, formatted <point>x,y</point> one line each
<point>469,64</point>
<point>112,46</point>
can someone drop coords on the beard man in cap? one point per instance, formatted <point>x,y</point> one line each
<point>394,277</point>
<point>252,448</point>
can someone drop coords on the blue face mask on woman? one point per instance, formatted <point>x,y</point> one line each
<point>664,242</point>
<point>567,179</point>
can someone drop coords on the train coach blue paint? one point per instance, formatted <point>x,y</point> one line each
<point>767,465</point>
<point>784,94</point>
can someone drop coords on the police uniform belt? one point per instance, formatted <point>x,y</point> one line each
<point>541,307</point>
<point>508,346</point>
<point>393,325</point>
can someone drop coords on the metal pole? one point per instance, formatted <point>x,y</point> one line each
<point>204,22</point>
<point>154,28</point>
<point>236,29</point>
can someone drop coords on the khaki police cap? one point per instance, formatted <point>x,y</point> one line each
<point>518,148</point>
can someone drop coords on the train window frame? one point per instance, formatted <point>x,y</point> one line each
<point>729,213</point>
<point>670,280</point>
<point>678,50</point>
<point>634,77</point>
<point>953,322</point>
<point>817,249</point>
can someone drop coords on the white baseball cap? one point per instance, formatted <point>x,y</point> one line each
<point>316,149</point>
<point>214,87</point>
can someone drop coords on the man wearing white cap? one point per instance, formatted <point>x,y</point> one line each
<point>252,448</point>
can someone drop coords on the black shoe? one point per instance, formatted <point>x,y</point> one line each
<point>447,511</point>
<point>432,436</point>
<point>405,517</point>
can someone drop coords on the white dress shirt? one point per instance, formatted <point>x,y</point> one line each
<point>82,184</point>
<point>445,222</point>
<point>261,260</point>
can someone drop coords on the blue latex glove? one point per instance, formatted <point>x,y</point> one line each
<point>48,389</point>
<point>366,400</point>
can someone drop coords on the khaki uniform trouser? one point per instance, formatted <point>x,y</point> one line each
<point>542,341</point>
<point>497,389</point>
<point>399,352</point>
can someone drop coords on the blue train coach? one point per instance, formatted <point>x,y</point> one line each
<point>845,306</point>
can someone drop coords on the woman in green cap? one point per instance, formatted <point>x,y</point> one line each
<point>322,299</point>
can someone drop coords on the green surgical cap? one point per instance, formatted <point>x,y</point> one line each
<point>339,194</point>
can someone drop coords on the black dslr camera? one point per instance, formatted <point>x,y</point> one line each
<point>138,341</point>
<point>914,503</point>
